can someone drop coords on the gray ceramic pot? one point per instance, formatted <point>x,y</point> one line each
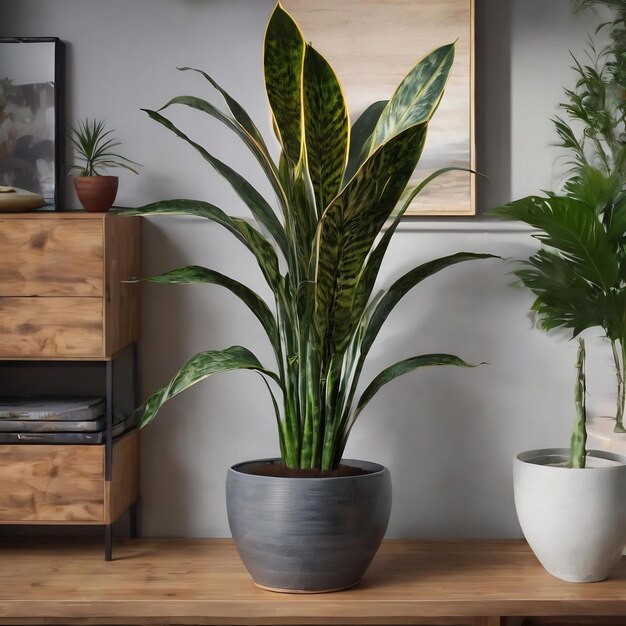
<point>308,535</point>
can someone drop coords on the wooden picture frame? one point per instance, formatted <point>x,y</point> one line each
<point>372,44</point>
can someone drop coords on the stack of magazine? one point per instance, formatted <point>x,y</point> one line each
<point>58,419</point>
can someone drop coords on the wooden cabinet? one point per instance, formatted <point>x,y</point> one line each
<point>65,296</point>
<point>62,289</point>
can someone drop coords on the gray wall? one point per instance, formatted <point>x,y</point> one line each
<point>447,435</point>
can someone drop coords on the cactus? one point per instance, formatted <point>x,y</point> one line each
<point>578,450</point>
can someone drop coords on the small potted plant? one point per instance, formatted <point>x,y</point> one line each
<point>571,504</point>
<point>311,521</point>
<point>94,147</point>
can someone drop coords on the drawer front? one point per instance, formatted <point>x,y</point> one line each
<point>51,327</point>
<point>51,257</point>
<point>43,483</point>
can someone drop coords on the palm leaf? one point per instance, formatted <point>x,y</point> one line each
<point>403,367</point>
<point>283,61</point>
<point>327,127</point>
<point>361,131</point>
<point>572,228</point>
<point>258,206</point>
<point>194,274</point>
<point>196,369</point>
<point>246,234</point>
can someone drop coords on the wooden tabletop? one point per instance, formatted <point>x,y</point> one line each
<point>161,581</point>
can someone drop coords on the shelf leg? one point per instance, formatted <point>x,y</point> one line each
<point>134,520</point>
<point>108,542</point>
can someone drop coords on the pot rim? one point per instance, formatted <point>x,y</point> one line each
<point>99,176</point>
<point>380,469</point>
<point>531,457</point>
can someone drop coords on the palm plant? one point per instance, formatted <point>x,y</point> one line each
<point>579,279</point>
<point>95,148</point>
<point>336,186</point>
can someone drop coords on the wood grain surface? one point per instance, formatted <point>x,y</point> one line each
<point>123,488</point>
<point>169,581</point>
<point>51,483</point>
<point>51,258</point>
<point>122,251</point>
<point>372,44</point>
<point>51,327</point>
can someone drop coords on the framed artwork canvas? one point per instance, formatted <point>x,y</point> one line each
<point>31,116</point>
<point>372,44</point>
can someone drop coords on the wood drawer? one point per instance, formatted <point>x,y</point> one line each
<point>62,289</point>
<point>51,327</point>
<point>60,257</point>
<point>51,483</point>
<point>48,484</point>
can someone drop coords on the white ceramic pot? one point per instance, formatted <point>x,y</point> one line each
<point>573,519</point>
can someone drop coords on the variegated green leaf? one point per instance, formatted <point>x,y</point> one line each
<point>416,98</point>
<point>257,149</point>
<point>239,113</point>
<point>326,125</point>
<point>251,238</point>
<point>349,227</point>
<point>283,60</point>
<point>258,206</point>
<point>369,272</point>
<point>199,367</point>
<point>404,284</point>
<point>361,131</point>
<point>403,367</point>
<point>196,274</point>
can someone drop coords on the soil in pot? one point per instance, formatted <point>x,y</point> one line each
<point>278,470</point>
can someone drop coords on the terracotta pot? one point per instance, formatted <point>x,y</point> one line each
<point>96,193</point>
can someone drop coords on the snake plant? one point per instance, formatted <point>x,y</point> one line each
<point>579,279</point>
<point>336,186</point>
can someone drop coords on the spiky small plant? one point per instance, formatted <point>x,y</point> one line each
<point>96,148</point>
<point>336,186</point>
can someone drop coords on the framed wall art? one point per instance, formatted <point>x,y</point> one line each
<point>372,44</point>
<point>31,116</point>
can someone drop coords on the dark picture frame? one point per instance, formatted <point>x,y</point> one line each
<point>37,164</point>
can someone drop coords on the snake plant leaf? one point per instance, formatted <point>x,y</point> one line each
<point>258,206</point>
<point>196,369</point>
<point>283,61</point>
<point>194,274</point>
<point>258,150</point>
<point>349,227</point>
<point>404,284</point>
<point>369,272</point>
<point>238,111</point>
<point>572,228</point>
<point>361,131</point>
<point>246,234</point>
<point>403,367</point>
<point>326,125</point>
<point>416,98</point>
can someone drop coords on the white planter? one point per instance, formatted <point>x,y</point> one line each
<point>573,519</point>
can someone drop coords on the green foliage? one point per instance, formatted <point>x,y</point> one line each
<point>579,279</point>
<point>320,253</point>
<point>578,450</point>
<point>95,148</point>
